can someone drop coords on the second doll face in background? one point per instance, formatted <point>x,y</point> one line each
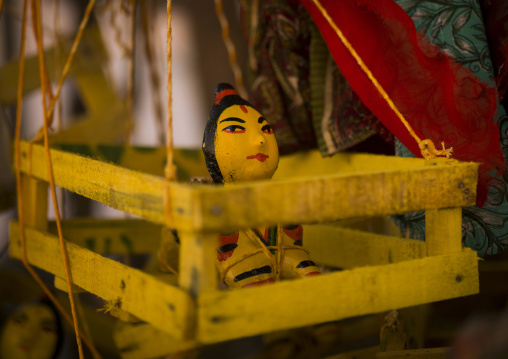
<point>30,333</point>
<point>245,146</point>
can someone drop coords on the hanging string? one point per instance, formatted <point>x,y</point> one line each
<point>230,47</point>
<point>67,66</point>
<point>58,48</point>
<point>42,70</point>
<point>154,77</point>
<point>170,169</point>
<point>130,74</point>
<point>58,102</point>
<point>426,146</point>
<point>45,75</point>
<point>17,154</point>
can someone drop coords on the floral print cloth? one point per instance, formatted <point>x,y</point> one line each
<point>457,27</point>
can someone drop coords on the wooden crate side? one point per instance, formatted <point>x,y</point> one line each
<point>340,247</point>
<point>149,160</point>
<point>237,313</point>
<point>336,197</point>
<point>118,187</point>
<point>443,231</point>
<point>166,307</point>
<point>215,209</point>
<point>110,236</point>
<point>297,165</point>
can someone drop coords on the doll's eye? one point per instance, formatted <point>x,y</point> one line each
<point>234,129</point>
<point>19,318</point>
<point>267,129</point>
<point>48,327</point>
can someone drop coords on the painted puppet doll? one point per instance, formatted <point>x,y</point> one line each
<point>239,145</point>
<point>33,331</point>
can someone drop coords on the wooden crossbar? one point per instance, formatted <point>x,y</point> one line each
<point>201,208</point>
<point>166,307</point>
<point>225,315</point>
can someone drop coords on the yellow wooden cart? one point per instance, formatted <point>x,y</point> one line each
<point>382,272</point>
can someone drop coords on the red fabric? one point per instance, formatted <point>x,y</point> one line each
<point>295,234</point>
<point>440,99</point>
<point>227,239</point>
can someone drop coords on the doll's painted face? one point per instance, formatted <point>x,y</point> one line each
<point>30,333</point>
<point>245,146</point>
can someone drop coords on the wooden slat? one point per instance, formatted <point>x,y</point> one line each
<point>443,231</point>
<point>236,313</point>
<point>340,247</point>
<point>34,194</point>
<point>150,160</point>
<point>166,307</point>
<point>297,165</point>
<point>336,197</point>
<point>120,188</point>
<point>111,236</point>
<point>197,272</point>
<point>214,209</point>
<point>143,341</point>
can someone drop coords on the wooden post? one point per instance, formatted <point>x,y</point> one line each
<point>197,273</point>
<point>35,202</point>
<point>197,262</point>
<point>443,231</point>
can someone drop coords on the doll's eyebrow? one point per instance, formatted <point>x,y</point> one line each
<point>261,119</point>
<point>234,119</point>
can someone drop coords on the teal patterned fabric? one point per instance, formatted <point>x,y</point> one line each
<point>457,27</point>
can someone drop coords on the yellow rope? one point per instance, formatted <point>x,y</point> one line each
<point>170,169</point>
<point>130,75</point>
<point>280,252</point>
<point>230,47</point>
<point>365,69</point>
<point>17,154</point>
<point>58,102</point>
<point>42,71</point>
<point>67,67</point>
<point>264,248</point>
<point>154,77</point>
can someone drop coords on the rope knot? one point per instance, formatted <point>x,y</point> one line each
<point>429,151</point>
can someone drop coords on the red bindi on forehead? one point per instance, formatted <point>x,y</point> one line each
<point>243,108</point>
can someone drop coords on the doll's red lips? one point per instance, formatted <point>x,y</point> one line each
<point>261,157</point>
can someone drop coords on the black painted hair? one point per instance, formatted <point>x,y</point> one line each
<point>225,96</point>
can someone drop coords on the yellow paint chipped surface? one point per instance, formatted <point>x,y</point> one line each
<point>340,247</point>
<point>214,209</point>
<point>232,314</point>
<point>166,307</point>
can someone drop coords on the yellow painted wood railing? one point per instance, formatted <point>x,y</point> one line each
<point>381,272</point>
